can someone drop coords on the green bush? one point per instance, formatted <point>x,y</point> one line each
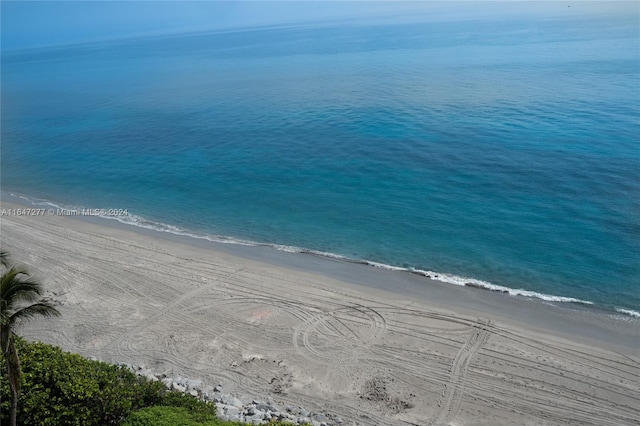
<point>169,416</point>
<point>60,388</point>
<point>198,410</point>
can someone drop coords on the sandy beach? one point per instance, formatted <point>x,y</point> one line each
<point>372,346</point>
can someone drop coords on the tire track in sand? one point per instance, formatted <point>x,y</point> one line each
<point>339,335</point>
<point>451,399</point>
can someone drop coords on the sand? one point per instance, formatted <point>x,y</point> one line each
<point>323,334</point>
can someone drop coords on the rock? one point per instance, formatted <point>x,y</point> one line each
<point>206,389</point>
<point>266,407</point>
<point>230,400</point>
<point>242,408</point>
<point>256,416</point>
<point>193,384</point>
<point>230,410</point>
<point>237,418</point>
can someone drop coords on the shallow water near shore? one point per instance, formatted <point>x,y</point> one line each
<point>501,151</point>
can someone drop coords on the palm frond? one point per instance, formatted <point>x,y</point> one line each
<point>4,258</point>
<point>11,275</point>
<point>41,309</point>
<point>16,286</point>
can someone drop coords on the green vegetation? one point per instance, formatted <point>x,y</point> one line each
<point>168,416</point>
<point>20,300</point>
<point>60,388</point>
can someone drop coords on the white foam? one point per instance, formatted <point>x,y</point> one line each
<point>629,312</point>
<point>171,229</point>
<point>288,249</point>
<point>385,266</point>
<point>472,282</point>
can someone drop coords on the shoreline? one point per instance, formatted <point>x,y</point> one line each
<point>250,248</point>
<point>325,334</point>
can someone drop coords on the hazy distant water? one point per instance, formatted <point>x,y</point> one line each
<point>503,150</point>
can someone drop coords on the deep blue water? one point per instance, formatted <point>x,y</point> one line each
<point>504,150</point>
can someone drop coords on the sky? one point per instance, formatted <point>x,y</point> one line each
<point>28,23</point>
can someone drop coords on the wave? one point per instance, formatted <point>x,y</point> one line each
<point>472,282</point>
<point>629,312</point>
<point>141,222</point>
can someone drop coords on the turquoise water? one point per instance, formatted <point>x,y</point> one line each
<point>502,151</point>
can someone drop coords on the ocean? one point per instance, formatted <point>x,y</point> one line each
<point>501,150</point>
